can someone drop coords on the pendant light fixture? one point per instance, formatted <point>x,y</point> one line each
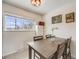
<point>36,2</point>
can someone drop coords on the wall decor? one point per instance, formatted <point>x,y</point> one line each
<point>70,17</point>
<point>57,19</point>
<point>41,23</point>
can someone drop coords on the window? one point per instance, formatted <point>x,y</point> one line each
<point>19,23</point>
<point>10,22</point>
<point>13,23</point>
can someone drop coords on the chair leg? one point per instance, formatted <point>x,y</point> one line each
<point>70,55</point>
<point>34,55</point>
<point>64,56</point>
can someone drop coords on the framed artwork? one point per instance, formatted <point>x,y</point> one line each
<point>57,19</point>
<point>70,17</point>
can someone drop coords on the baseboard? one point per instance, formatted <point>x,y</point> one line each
<point>6,54</point>
<point>12,52</point>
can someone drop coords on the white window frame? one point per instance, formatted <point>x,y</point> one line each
<point>4,23</point>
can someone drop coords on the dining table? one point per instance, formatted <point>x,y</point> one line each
<point>45,48</point>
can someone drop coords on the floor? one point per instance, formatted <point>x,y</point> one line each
<point>19,55</point>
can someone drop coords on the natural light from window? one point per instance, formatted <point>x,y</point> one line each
<point>13,23</point>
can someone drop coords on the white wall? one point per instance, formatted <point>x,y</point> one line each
<point>64,29</point>
<point>14,41</point>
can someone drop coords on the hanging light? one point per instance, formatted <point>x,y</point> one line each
<point>36,2</point>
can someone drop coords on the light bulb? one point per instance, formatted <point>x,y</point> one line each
<point>36,2</point>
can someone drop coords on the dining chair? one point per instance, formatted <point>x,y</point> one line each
<point>67,51</point>
<point>48,36</point>
<point>36,38</point>
<point>59,53</point>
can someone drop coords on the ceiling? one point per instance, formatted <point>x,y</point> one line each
<point>47,5</point>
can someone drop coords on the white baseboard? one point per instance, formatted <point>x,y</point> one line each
<point>6,54</point>
<point>12,52</point>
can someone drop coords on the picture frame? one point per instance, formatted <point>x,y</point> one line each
<point>70,17</point>
<point>57,19</point>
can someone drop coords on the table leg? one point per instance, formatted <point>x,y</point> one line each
<point>30,52</point>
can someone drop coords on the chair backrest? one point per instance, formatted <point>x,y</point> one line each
<point>48,36</point>
<point>68,42</point>
<point>60,50</point>
<point>37,38</point>
<point>67,46</point>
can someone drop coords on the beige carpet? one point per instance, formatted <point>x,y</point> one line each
<point>18,55</point>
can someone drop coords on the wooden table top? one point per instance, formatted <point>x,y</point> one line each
<point>46,47</point>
